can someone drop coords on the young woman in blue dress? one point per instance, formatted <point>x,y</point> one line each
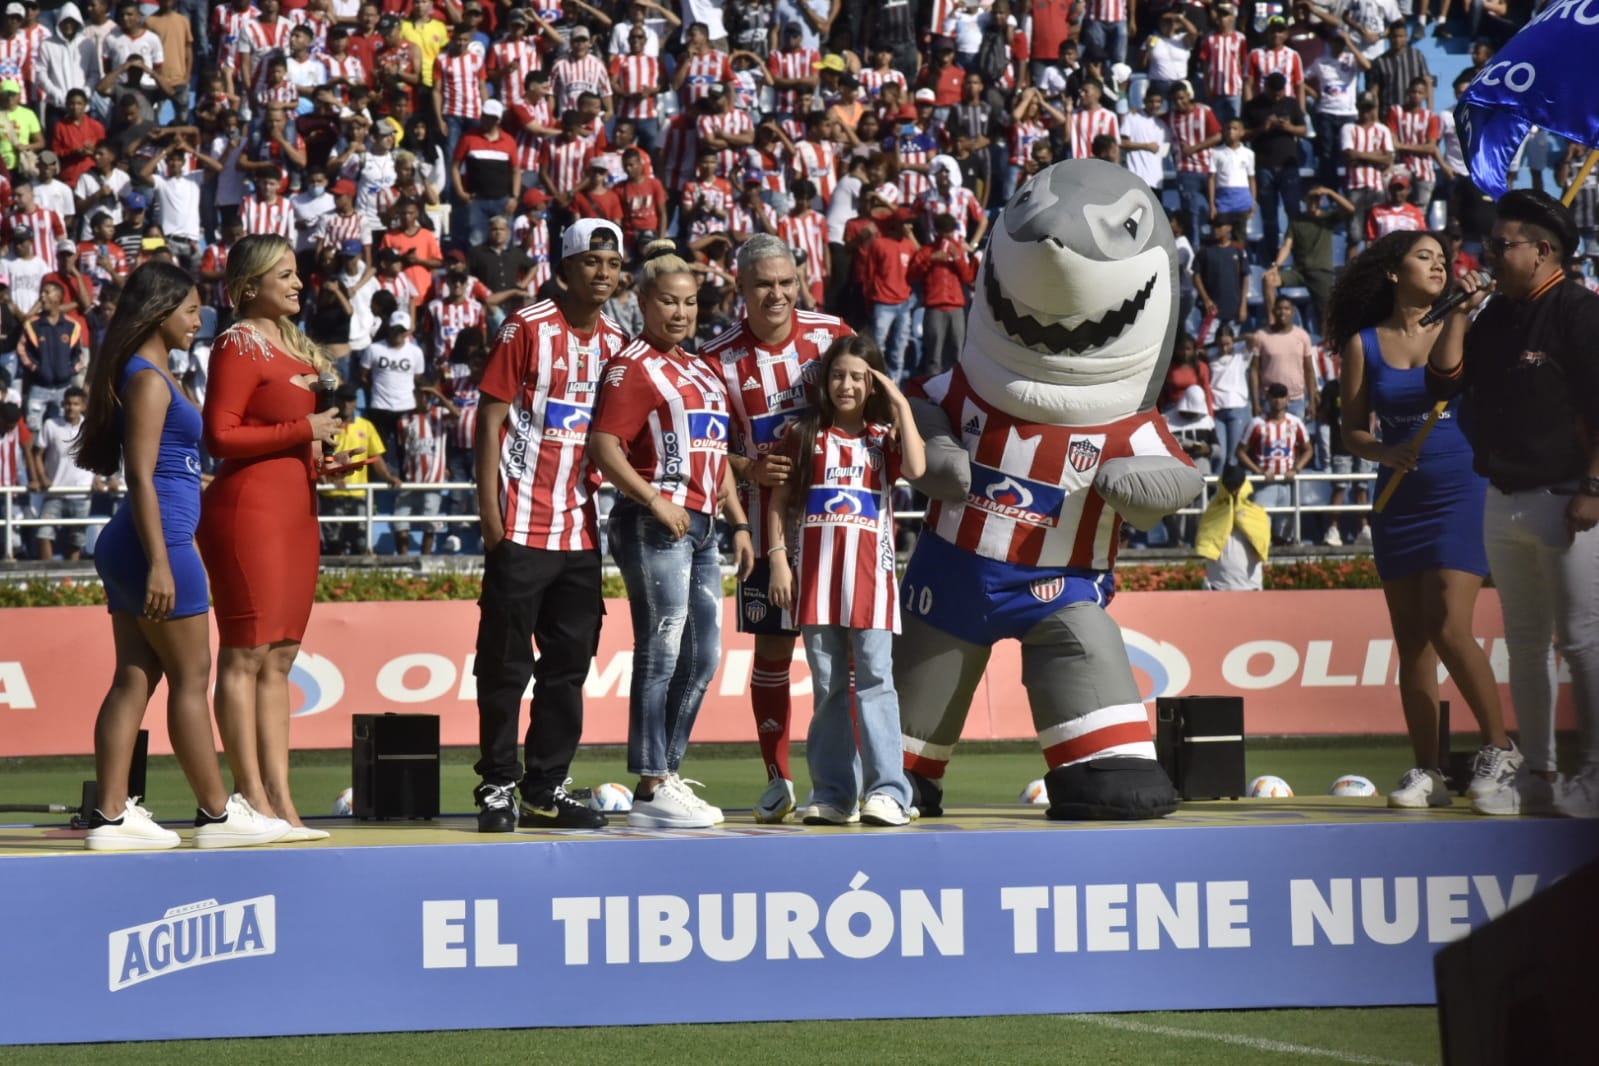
<point>1428,541</point>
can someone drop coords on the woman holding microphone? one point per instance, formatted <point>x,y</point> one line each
<point>660,435</point>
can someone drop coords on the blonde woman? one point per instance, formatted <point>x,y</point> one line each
<point>258,527</point>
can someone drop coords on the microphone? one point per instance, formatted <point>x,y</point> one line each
<point>1450,301</point>
<point>327,387</point>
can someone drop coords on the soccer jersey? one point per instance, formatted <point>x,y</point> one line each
<point>1192,127</point>
<point>1415,127</point>
<point>1273,443</point>
<point>1086,125</point>
<point>426,446</point>
<point>260,217</point>
<point>817,160</point>
<point>638,77</point>
<point>1264,62</point>
<point>571,77</point>
<point>447,319</point>
<point>769,388</point>
<point>1032,498</point>
<point>846,534</point>
<point>1223,57</point>
<point>670,411</point>
<point>461,76</point>
<point>797,65</point>
<point>1358,138</point>
<point>704,71</point>
<point>549,373</point>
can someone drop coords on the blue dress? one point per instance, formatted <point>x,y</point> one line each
<point>1434,521</point>
<point>119,555</point>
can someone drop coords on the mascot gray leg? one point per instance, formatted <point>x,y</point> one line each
<point>936,675</point>
<point>1091,720</point>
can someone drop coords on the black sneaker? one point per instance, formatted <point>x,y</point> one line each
<point>559,810</point>
<point>497,808</point>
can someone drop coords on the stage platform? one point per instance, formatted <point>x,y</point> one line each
<point>411,926</point>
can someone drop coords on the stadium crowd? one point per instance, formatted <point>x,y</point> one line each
<point>425,156</point>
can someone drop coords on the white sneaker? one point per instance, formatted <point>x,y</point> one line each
<point>1364,536</point>
<point>1420,789</point>
<point>1492,768</point>
<point>300,834</point>
<point>135,830</point>
<point>714,811</point>
<point>1580,797</point>
<point>827,814</point>
<point>775,802</point>
<point>1333,539</point>
<point>1525,793</point>
<point>881,809</point>
<point>674,806</point>
<point>240,826</point>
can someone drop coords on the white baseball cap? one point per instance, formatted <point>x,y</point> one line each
<point>400,320</point>
<point>493,107</point>
<point>591,235</point>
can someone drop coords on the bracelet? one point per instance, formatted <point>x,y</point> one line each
<point>778,549</point>
<point>739,527</point>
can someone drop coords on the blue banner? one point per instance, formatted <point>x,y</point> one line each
<point>1538,79</point>
<point>939,919</point>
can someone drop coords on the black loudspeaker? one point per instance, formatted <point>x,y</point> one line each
<point>1199,741</point>
<point>1521,989</point>
<point>396,766</point>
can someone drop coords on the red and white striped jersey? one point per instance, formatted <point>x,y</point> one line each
<point>791,66</point>
<point>846,535</point>
<point>1223,56</point>
<point>264,40</point>
<point>1384,219</point>
<point>447,319</point>
<point>1086,125</point>
<point>1105,10</point>
<point>1273,444</point>
<point>510,62</point>
<point>678,149</point>
<point>47,228</point>
<point>873,80</point>
<point>807,231</point>
<point>262,217</point>
<point>14,455</point>
<point>228,29</point>
<point>461,77</point>
<point>549,373</point>
<point>729,162</point>
<point>1023,135</point>
<point>346,68</point>
<point>743,221</point>
<point>640,75</point>
<point>716,195</point>
<point>1264,62</point>
<point>282,94</point>
<point>772,165</point>
<point>962,204</point>
<point>401,287</point>
<point>528,144</point>
<point>571,77</point>
<point>818,160</point>
<point>535,237</point>
<point>466,395</point>
<point>1190,128</point>
<point>16,64</point>
<point>426,442</point>
<point>565,160</point>
<point>1420,126</point>
<point>704,71</point>
<point>1032,499</point>
<point>670,411</point>
<point>769,387</point>
<point>1361,138</point>
<point>333,230</point>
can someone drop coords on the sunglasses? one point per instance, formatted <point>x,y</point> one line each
<point>1497,245</point>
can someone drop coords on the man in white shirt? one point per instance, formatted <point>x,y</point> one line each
<point>27,269</point>
<point>389,373</point>
<point>179,175</point>
<point>58,469</point>
<point>1334,80</point>
<point>50,191</point>
<point>1145,142</point>
<point>132,54</point>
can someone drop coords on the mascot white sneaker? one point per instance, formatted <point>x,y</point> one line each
<point>1041,442</point>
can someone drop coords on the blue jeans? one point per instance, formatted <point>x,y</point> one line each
<point>478,213</point>
<point>1227,108</point>
<point>1194,189</point>
<point>1277,494</point>
<point>830,746</point>
<point>1110,37</point>
<point>1329,147</point>
<point>674,592</point>
<point>1276,185</point>
<point>1231,425</point>
<point>893,322</point>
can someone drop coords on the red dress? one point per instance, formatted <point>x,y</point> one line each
<point>258,524</point>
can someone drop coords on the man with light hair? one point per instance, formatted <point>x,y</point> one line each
<point>770,362</point>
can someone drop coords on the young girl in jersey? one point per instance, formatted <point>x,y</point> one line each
<point>849,450</point>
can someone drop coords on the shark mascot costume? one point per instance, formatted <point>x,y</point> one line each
<point>1041,442</point>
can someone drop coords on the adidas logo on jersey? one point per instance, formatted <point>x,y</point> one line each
<point>559,364</point>
<point>973,427</point>
<point>751,383</point>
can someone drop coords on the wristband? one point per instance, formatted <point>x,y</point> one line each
<point>740,527</point>
<point>779,549</point>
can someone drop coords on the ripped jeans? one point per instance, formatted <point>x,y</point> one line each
<point>674,592</point>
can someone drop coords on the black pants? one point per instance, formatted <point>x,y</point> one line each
<point>554,598</point>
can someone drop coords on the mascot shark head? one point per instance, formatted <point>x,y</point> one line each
<point>1075,312</point>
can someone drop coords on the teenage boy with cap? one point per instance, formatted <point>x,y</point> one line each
<point>1398,213</point>
<point>484,173</point>
<point>541,578</point>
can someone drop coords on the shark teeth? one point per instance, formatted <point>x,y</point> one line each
<point>1057,337</point>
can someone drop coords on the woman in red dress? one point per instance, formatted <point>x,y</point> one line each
<point>258,523</point>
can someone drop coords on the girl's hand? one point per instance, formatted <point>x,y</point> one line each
<point>890,390</point>
<point>670,515</point>
<point>160,593</point>
<point>743,553</point>
<point>780,587</point>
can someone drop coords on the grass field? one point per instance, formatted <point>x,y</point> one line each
<point>980,774</point>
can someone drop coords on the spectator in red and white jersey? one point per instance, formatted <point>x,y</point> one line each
<point>700,67</point>
<point>484,173</point>
<point>1276,446</point>
<point>727,129</point>
<point>562,162</point>
<point>949,196</point>
<point>874,78</point>
<point>1397,213</point>
<point>660,434</point>
<point>346,71</point>
<point>1275,58</point>
<point>706,201</point>
<point>680,148</point>
<point>261,40</point>
<point>424,441</point>
<point>459,88</point>
<point>1368,149</point>
<point>581,72</point>
<point>229,23</point>
<point>1107,26</point>
<point>1221,55</point>
<point>456,312</point>
<point>805,228</point>
<point>512,58</point>
<point>1092,119</point>
<point>595,198</point>
<point>264,211</point>
<point>767,363</point>
<point>816,157</point>
<point>46,226</point>
<point>644,202</point>
<point>637,82</point>
<point>1031,120</point>
<point>1416,131</point>
<point>1195,131</point>
<point>393,280</point>
<point>792,69</point>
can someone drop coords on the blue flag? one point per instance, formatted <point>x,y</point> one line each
<point>1537,79</point>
